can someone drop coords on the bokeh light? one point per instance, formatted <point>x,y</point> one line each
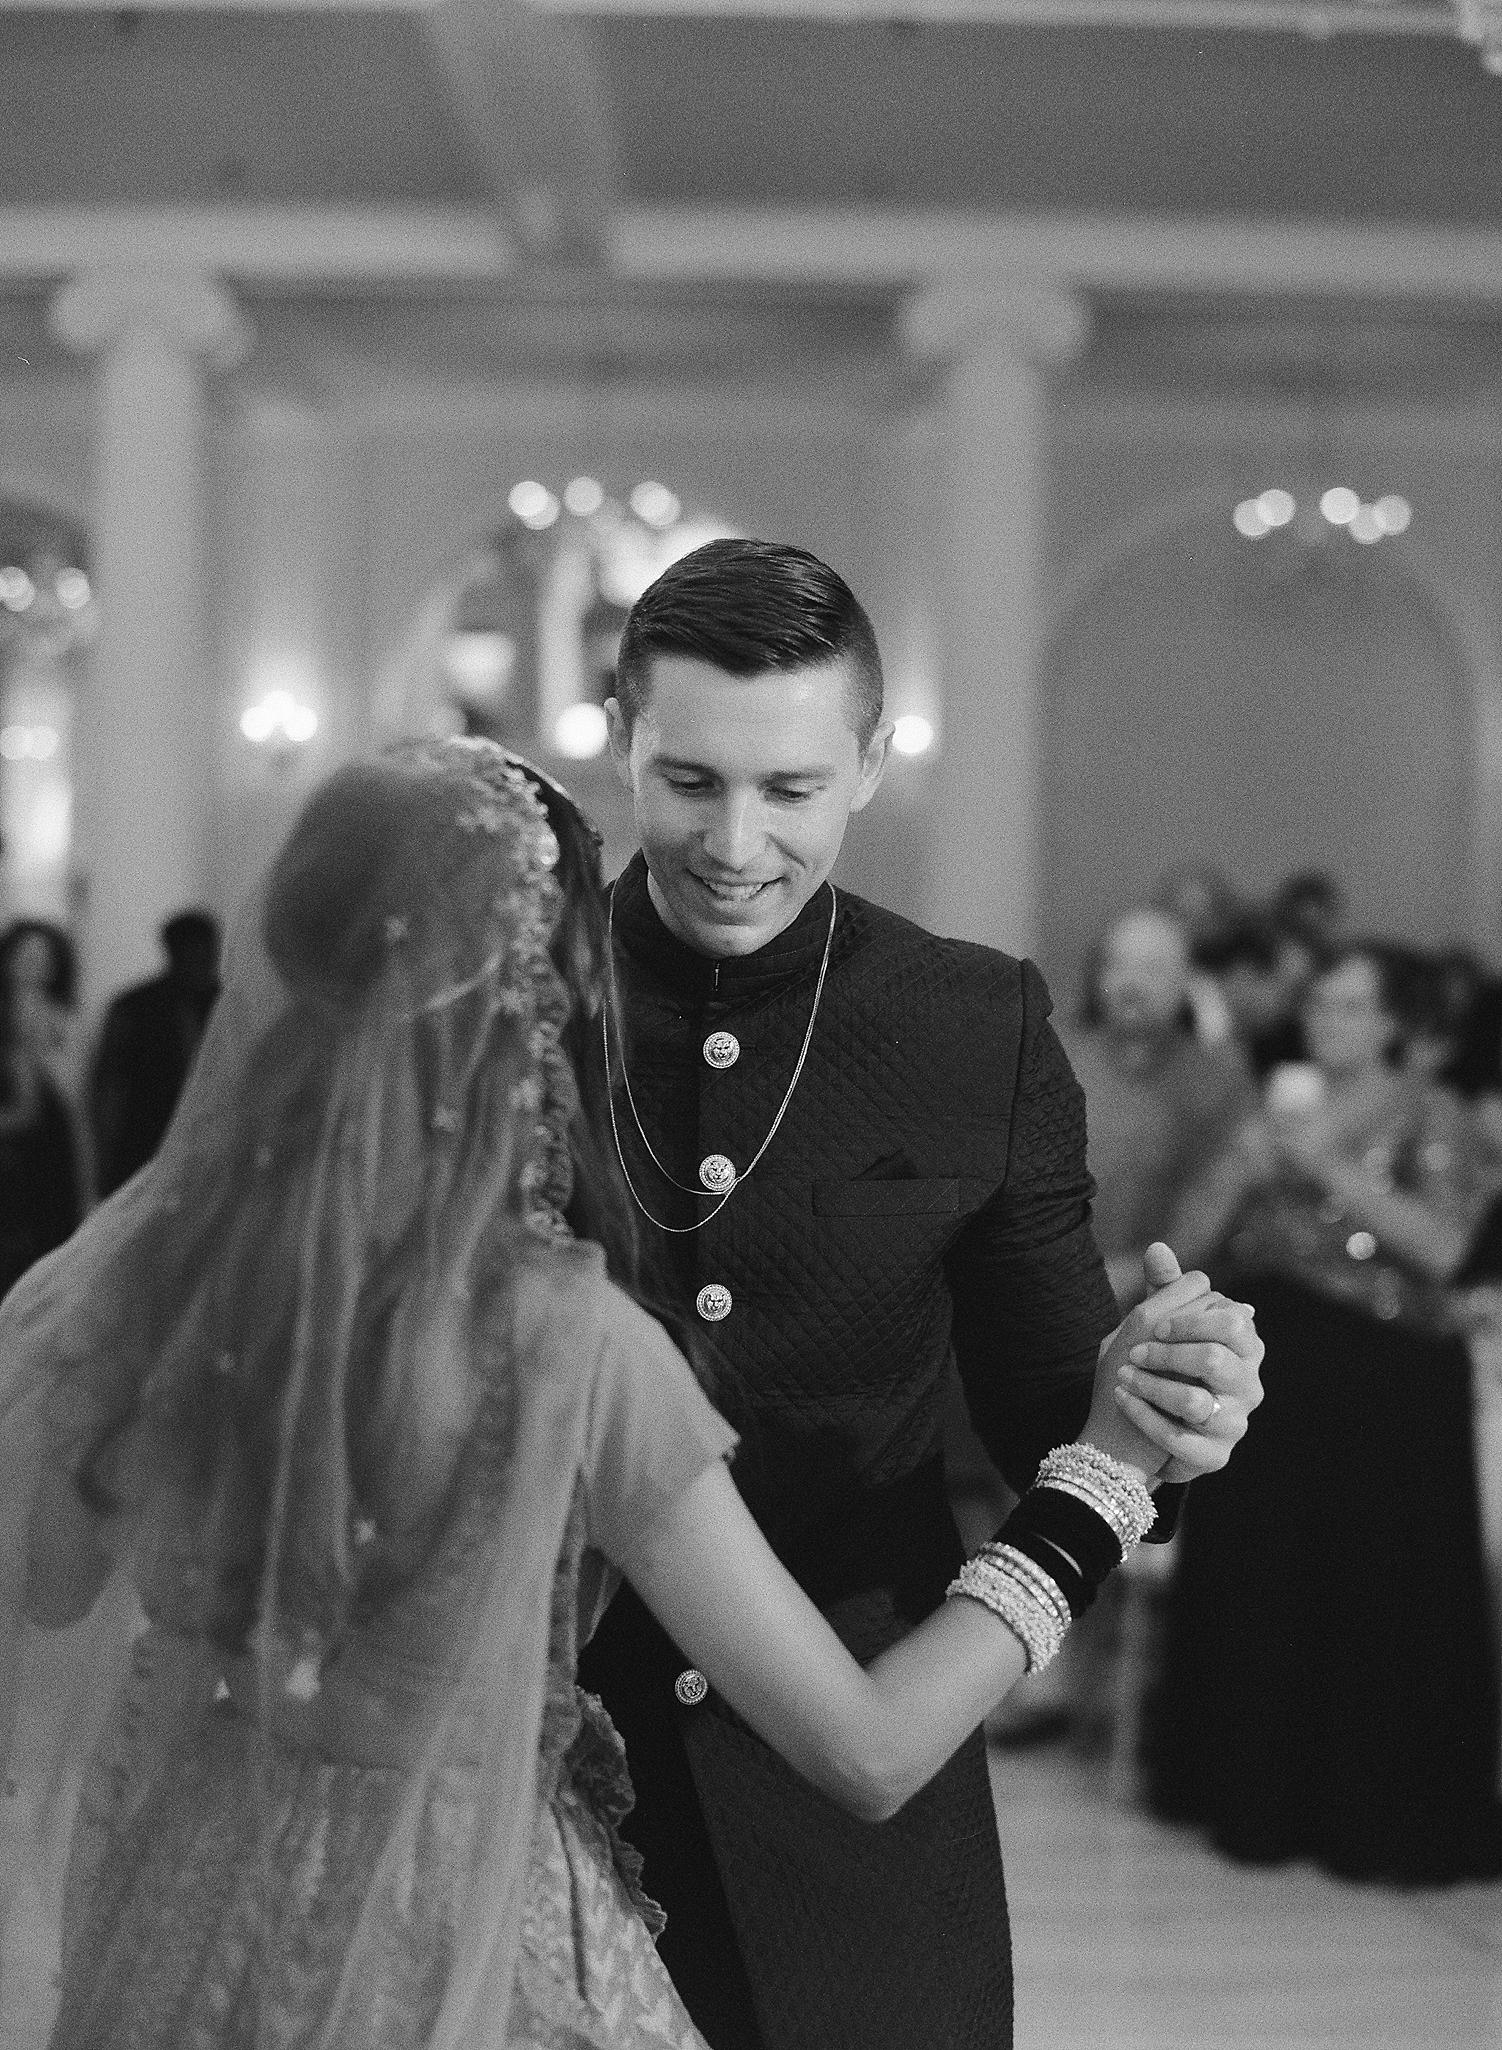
<point>533,503</point>
<point>580,731</point>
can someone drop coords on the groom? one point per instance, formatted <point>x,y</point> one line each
<point>858,1151</point>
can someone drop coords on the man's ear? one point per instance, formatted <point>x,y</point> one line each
<point>619,735</point>
<point>873,766</point>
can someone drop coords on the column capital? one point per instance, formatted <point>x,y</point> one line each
<point>1029,319</point>
<point>186,309</point>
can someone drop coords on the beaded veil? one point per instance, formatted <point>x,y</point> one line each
<point>268,1356</point>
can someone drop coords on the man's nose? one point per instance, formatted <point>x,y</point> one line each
<point>735,832</point>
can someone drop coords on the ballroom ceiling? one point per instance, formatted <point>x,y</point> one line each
<point>557,121</point>
<point>494,100</point>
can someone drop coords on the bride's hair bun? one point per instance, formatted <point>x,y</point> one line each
<point>349,876</point>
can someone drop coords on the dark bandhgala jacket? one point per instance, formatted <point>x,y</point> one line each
<point>926,1195</point>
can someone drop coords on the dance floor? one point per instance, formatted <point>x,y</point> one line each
<point>1133,1936</point>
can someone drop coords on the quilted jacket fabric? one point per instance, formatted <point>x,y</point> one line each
<point>925,1193</point>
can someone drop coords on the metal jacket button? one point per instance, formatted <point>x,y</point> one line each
<point>717,1173</point>
<point>691,1687</point>
<point>722,1049</point>
<point>713,1302</point>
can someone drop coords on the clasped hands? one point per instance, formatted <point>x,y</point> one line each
<point>1178,1377</point>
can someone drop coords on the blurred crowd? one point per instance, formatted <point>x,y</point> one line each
<point>1314,1116</point>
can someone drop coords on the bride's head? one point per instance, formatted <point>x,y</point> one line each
<point>384,1118</point>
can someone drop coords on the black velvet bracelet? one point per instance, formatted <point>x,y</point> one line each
<point>1049,1521</point>
<point>1074,1526</point>
<point>1077,1591</point>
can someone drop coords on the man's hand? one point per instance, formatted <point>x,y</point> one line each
<point>1189,1380</point>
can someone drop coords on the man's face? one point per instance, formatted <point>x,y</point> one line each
<point>741,787</point>
<point>1143,979</point>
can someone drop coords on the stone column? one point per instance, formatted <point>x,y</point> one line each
<point>996,337</point>
<point>144,736</point>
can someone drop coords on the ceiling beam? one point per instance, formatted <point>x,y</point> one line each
<point>296,247</point>
<point>1317,18</point>
<point>529,93</point>
<point>1128,252</point>
<point>419,248</point>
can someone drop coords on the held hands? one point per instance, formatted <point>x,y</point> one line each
<point>1178,1377</point>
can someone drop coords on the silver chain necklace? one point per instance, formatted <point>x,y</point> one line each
<point>681,1230</point>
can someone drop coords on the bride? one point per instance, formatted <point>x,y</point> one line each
<point>355,1381</point>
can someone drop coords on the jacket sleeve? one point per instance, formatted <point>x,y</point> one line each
<point>1029,1288</point>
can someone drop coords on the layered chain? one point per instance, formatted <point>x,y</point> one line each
<point>681,1230</point>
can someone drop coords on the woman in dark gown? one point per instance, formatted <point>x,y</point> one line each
<point>1329,1688</point>
<point>40,1193</point>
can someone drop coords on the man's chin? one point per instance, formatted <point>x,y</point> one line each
<point>730,942</point>
<point>730,930</point>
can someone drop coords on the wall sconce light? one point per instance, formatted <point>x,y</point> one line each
<point>279,722</point>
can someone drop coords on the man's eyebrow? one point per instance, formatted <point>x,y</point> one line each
<point>685,764</point>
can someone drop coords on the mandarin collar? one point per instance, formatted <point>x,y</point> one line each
<point>643,938</point>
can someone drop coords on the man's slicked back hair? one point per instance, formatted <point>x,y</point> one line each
<point>747,607</point>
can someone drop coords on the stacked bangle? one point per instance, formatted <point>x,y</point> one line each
<point>1115,1492</point>
<point>1011,1587</point>
<point>1043,1568</point>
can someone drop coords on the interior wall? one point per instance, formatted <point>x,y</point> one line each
<point>1263,706</point>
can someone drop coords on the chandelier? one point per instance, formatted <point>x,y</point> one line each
<point>1338,509</point>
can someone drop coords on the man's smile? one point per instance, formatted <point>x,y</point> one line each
<point>730,892</point>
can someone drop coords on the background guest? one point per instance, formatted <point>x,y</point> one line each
<point>1259,972</point>
<point>40,1183</point>
<point>1204,905</point>
<point>150,1036</point>
<point>1437,995</point>
<point>1312,905</point>
<point>1158,1104</point>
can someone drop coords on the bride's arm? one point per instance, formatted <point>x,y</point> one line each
<point>869,1737</point>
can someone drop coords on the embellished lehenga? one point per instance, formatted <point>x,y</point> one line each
<point>183,1937</point>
